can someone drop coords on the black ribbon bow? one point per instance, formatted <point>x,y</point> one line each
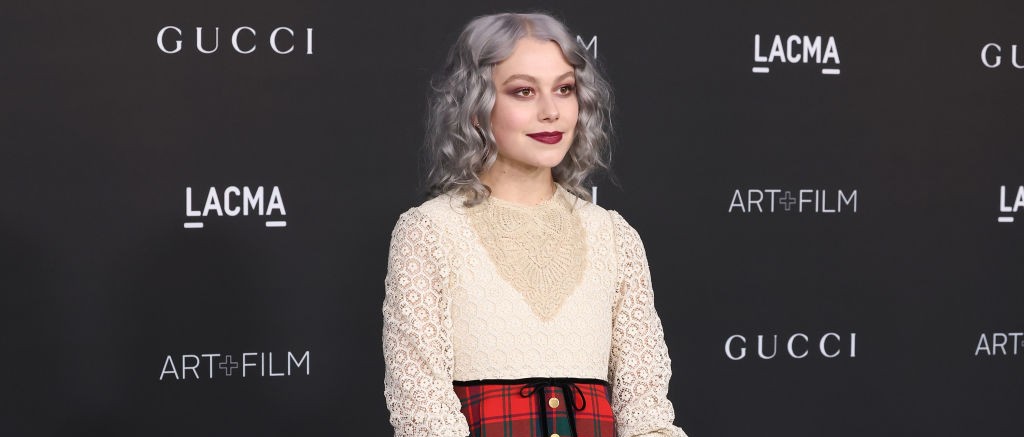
<point>567,392</point>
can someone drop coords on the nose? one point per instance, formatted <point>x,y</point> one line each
<point>548,109</point>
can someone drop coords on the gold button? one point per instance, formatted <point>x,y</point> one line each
<point>554,435</point>
<point>553,403</point>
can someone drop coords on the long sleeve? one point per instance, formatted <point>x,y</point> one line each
<point>639,368</point>
<point>418,354</point>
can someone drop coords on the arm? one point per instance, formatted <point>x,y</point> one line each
<point>418,355</point>
<point>640,368</point>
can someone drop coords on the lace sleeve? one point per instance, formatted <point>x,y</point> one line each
<point>418,355</point>
<point>640,368</point>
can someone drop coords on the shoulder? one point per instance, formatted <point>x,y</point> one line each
<point>431,216</point>
<point>623,230</point>
<point>590,212</point>
<point>627,240</point>
<point>441,208</point>
<point>597,217</point>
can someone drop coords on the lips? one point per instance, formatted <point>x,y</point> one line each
<point>547,137</point>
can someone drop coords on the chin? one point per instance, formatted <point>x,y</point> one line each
<point>550,163</point>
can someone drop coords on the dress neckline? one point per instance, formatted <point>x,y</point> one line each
<point>550,200</point>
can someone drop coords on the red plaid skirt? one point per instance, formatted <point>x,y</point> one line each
<point>537,407</point>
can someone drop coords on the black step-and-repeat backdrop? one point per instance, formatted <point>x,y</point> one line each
<point>198,199</point>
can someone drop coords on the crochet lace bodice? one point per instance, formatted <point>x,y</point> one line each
<point>506,291</point>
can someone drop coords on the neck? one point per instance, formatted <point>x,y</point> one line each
<point>524,187</point>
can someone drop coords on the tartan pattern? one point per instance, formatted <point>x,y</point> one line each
<point>497,408</point>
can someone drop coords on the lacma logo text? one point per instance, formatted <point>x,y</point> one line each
<point>797,49</point>
<point>592,45</point>
<point>235,201</point>
<point>1011,204</point>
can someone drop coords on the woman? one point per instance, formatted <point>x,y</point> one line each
<point>514,306</point>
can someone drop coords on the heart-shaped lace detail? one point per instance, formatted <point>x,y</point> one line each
<point>539,250</point>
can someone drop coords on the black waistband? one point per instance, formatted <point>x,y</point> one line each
<point>530,381</point>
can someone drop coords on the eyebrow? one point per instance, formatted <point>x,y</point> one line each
<point>529,78</point>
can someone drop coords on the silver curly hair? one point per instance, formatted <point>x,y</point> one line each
<point>457,152</point>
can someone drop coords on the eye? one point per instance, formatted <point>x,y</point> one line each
<point>519,92</point>
<point>567,89</point>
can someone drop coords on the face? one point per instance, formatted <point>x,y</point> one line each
<point>535,111</point>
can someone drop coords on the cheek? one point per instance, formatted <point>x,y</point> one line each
<point>574,109</point>
<point>571,115</point>
<point>507,116</point>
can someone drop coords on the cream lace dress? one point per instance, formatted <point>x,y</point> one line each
<point>507,291</point>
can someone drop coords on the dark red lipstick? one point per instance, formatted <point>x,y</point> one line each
<point>547,137</point>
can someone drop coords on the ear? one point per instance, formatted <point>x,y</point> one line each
<point>474,121</point>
